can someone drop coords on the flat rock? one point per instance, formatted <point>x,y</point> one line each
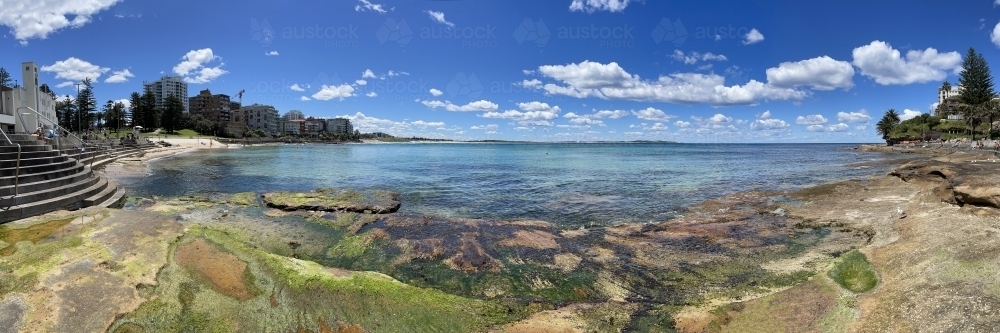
<point>334,200</point>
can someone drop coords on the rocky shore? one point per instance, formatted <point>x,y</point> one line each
<point>914,250</point>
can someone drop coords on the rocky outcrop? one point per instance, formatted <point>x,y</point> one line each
<point>333,200</point>
<point>958,180</point>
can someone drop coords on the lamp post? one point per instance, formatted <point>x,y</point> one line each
<point>79,112</point>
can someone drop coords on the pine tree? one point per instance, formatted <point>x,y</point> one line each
<point>65,111</point>
<point>173,110</point>
<point>4,78</point>
<point>135,102</point>
<point>976,79</point>
<point>86,104</point>
<point>150,114</point>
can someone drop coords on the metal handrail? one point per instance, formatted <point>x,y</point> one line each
<point>17,168</point>
<point>54,123</point>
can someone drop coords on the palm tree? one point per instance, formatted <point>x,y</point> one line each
<point>887,124</point>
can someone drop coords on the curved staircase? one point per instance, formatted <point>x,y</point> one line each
<point>49,179</point>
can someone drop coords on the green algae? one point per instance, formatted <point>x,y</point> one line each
<point>302,295</point>
<point>243,198</point>
<point>853,272</point>
<point>368,202</point>
<point>34,234</point>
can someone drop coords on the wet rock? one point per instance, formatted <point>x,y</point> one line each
<point>12,312</point>
<point>954,180</point>
<point>333,200</point>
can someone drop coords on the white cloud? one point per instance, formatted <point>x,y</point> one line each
<point>860,116</point>
<point>583,119</point>
<point>820,73</point>
<point>652,114</point>
<point>394,73</point>
<point>304,98</point>
<point>327,93</point>
<point>75,69</point>
<point>436,92</point>
<point>490,127</point>
<point>531,84</point>
<point>360,82</point>
<point>426,124</point>
<point>272,53</point>
<point>841,127</point>
<point>615,114</point>
<point>768,124</point>
<point>372,124</point>
<point>909,114</point>
<point>119,76</point>
<point>481,105</point>
<point>531,114</point>
<point>538,106</point>
<point>37,19</point>
<point>65,84</point>
<point>753,37</point>
<point>682,124</point>
<point>196,62</point>
<point>125,101</point>
<point>694,57</point>
<point>995,35</point>
<point>610,81</point>
<point>815,128</point>
<point>591,6</point>
<point>439,18</point>
<point>368,74</point>
<point>371,94</point>
<point>719,118</point>
<point>816,119</point>
<point>367,5</point>
<point>881,62</point>
<point>765,115</point>
<point>296,87</point>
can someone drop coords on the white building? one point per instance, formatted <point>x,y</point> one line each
<point>294,115</point>
<point>262,117</point>
<point>945,94</point>
<point>166,86</point>
<point>14,118</point>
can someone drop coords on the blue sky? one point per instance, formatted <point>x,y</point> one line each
<point>690,71</point>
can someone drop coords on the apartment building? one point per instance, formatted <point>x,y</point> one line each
<point>14,118</point>
<point>212,107</point>
<point>339,125</point>
<point>166,86</point>
<point>258,116</point>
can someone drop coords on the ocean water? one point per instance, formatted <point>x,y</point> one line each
<point>570,184</point>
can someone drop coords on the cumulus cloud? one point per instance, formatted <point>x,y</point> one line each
<point>125,101</point>
<point>304,98</point>
<point>886,66</point>
<point>860,116</point>
<point>364,5</point>
<point>360,82</point>
<point>75,69</point>
<point>37,19</point>
<point>841,127</point>
<point>816,119</point>
<point>530,114</point>
<point>610,81</point>
<point>426,124</point>
<point>327,93</point>
<point>531,84</point>
<point>583,119</point>
<point>753,37</point>
<point>65,84</point>
<point>611,114</point>
<point>439,18</point>
<point>693,57</point>
<point>272,53</point>
<point>909,114</point>
<point>371,94</point>
<point>436,92</point>
<point>765,115</point>
<point>820,73</point>
<point>296,87</point>
<point>119,76</point>
<point>995,35</point>
<point>682,124</point>
<point>591,6</point>
<point>194,66</point>
<point>652,114</point>
<point>481,105</point>
<point>768,124</point>
<point>368,74</point>
<point>490,127</point>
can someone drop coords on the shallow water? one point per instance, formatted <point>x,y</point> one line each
<point>565,183</point>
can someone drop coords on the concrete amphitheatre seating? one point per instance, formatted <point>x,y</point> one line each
<point>57,174</point>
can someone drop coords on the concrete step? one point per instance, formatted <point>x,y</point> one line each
<point>71,201</point>
<point>117,200</point>
<point>47,193</point>
<point>35,177</point>
<point>28,154</point>
<point>103,195</point>
<point>25,187</point>
<point>13,149</point>
<point>27,170</point>
<point>25,162</point>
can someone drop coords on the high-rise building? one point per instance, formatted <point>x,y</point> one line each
<point>166,86</point>
<point>339,125</point>
<point>212,107</point>
<point>294,115</point>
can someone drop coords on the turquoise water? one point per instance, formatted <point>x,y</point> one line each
<point>565,183</point>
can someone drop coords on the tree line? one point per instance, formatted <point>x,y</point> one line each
<point>976,105</point>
